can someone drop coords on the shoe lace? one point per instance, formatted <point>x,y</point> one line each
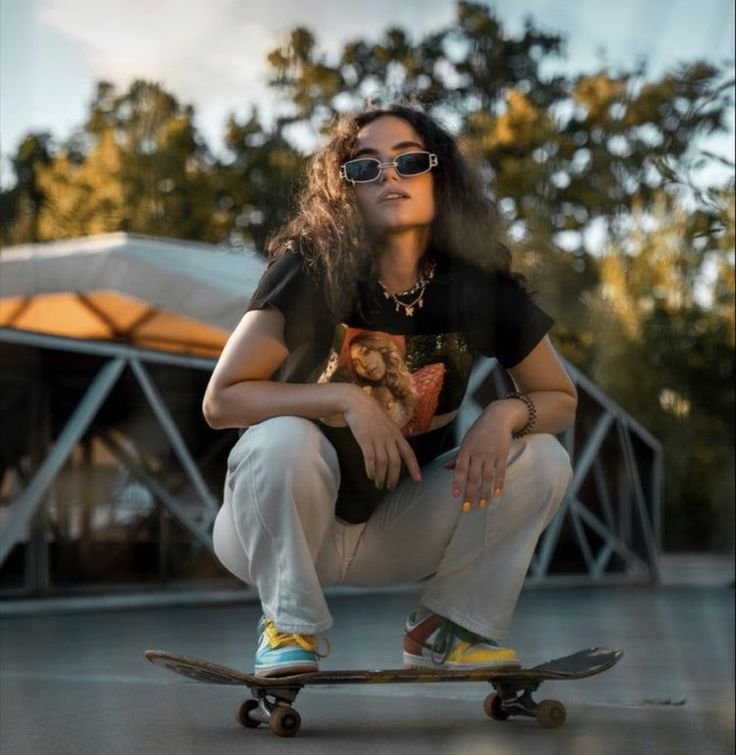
<point>445,637</point>
<point>306,641</point>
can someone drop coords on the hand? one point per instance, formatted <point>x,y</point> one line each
<point>380,440</point>
<point>481,461</point>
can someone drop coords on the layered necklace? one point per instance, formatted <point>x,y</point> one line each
<point>418,289</point>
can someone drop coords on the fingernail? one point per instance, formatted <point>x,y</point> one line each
<point>466,506</point>
<point>497,492</point>
<point>456,492</point>
<point>482,503</point>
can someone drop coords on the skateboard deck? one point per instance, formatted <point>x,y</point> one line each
<point>513,685</point>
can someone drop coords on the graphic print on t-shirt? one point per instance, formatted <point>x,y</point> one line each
<point>418,379</point>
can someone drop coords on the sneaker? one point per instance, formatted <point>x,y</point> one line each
<point>431,641</point>
<point>281,654</point>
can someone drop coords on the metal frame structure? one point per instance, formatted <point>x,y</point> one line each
<point>622,515</point>
<point>624,519</point>
<point>118,357</point>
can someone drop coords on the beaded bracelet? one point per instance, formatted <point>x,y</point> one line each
<point>532,412</point>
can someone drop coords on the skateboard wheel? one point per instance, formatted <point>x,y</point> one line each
<point>243,716</point>
<point>550,714</point>
<point>285,721</point>
<point>493,707</point>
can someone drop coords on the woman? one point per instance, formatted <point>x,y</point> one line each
<point>374,362</point>
<point>393,234</point>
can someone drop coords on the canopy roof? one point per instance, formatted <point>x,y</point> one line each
<point>152,292</point>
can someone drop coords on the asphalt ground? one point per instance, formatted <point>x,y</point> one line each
<point>78,682</point>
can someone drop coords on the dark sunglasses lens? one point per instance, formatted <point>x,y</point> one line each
<point>413,163</point>
<point>361,170</point>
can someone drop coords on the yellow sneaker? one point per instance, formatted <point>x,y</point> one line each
<point>432,641</point>
<point>281,654</point>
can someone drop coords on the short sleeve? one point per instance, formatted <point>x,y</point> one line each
<point>520,323</point>
<point>508,324</point>
<point>286,285</point>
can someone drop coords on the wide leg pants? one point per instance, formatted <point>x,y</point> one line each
<point>277,530</point>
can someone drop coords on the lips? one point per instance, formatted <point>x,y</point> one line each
<point>384,196</point>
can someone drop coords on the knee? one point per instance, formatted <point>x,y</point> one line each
<point>548,458</point>
<point>284,443</point>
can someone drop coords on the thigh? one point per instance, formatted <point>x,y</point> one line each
<point>414,526</point>
<point>406,535</point>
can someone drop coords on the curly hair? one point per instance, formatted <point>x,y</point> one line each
<point>397,378</point>
<point>329,232</point>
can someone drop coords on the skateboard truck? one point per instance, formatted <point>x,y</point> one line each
<point>284,720</point>
<point>506,702</point>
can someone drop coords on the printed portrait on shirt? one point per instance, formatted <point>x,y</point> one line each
<point>406,375</point>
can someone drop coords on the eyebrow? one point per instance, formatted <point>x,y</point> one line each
<point>400,145</point>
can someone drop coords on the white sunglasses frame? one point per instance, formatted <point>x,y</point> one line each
<point>433,161</point>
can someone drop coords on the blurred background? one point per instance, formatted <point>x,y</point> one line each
<point>148,149</point>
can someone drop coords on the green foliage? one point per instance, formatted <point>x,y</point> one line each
<point>669,360</point>
<point>616,150</point>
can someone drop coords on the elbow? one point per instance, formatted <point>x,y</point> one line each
<point>212,411</point>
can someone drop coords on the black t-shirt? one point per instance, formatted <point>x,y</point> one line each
<point>416,367</point>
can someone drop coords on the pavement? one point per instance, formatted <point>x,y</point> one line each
<point>78,683</point>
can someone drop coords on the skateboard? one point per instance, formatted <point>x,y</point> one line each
<point>512,696</point>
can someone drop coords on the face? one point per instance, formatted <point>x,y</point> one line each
<point>367,363</point>
<point>387,137</point>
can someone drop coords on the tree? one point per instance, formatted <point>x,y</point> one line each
<point>21,204</point>
<point>669,359</point>
<point>255,185</point>
<point>136,165</point>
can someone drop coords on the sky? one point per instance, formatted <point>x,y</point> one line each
<point>212,53</point>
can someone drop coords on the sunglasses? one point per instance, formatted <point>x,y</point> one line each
<point>365,169</point>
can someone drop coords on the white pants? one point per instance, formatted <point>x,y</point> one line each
<point>277,529</point>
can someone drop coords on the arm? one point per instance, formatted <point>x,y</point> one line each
<point>542,376</point>
<point>485,448</point>
<point>241,393</point>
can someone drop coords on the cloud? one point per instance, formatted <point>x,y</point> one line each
<point>202,50</point>
<point>212,53</point>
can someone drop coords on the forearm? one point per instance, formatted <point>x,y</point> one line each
<point>555,411</point>
<point>251,401</point>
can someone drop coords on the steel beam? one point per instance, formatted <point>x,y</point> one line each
<point>172,433</point>
<point>168,501</point>
<point>30,498</point>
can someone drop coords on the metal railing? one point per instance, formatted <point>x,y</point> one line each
<point>608,527</point>
<point>606,530</point>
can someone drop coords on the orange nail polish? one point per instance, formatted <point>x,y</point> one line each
<point>482,503</point>
<point>466,506</point>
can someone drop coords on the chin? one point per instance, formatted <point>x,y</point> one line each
<point>391,225</point>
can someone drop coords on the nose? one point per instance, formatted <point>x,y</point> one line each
<point>385,172</point>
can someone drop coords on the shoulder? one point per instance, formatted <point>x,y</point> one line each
<point>292,264</point>
<point>286,259</point>
<point>468,276</point>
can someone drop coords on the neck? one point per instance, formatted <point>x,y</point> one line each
<point>398,256</point>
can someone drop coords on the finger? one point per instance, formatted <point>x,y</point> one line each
<point>499,479</point>
<point>473,481</point>
<point>407,454</point>
<point>450,464</point>
<point>458,479</point>
<point>394,466</point>
<point>485,491</point>
<point>379,479</point>
<point>369,458</point>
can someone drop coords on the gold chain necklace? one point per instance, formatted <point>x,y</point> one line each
<point>419,285</point>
